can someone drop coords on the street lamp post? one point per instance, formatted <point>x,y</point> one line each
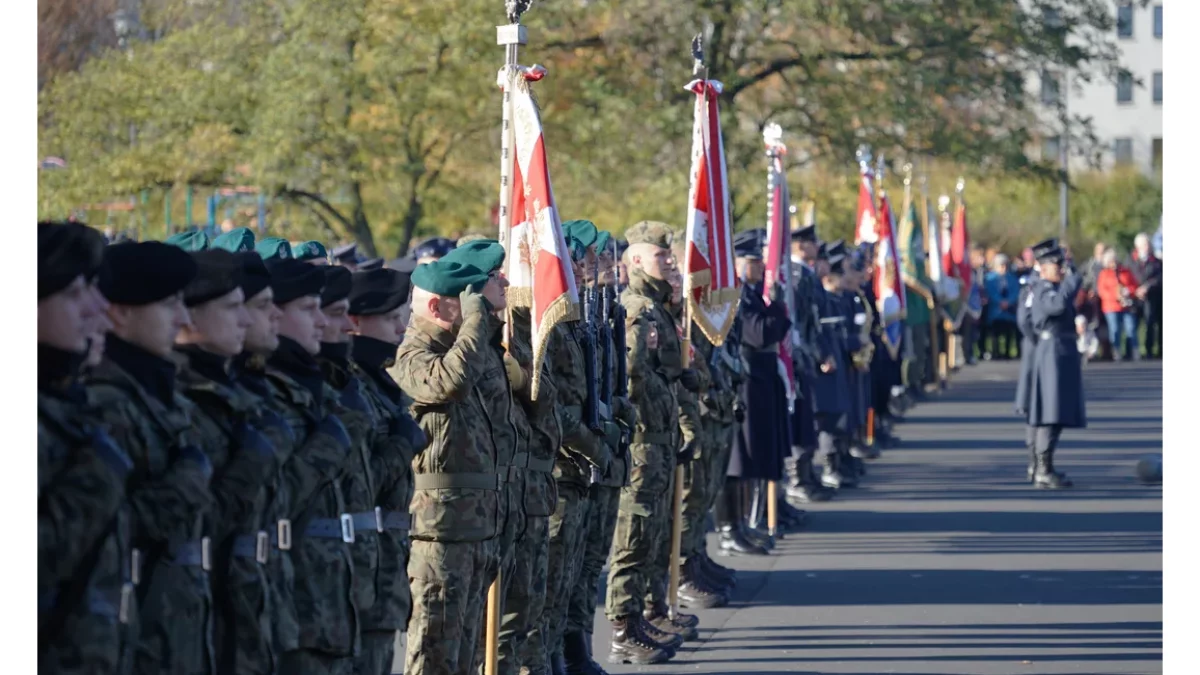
<point>1064,142</point>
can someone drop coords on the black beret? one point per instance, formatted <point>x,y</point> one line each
<point>337,285</point>
<point>292,279</point>
<point>255,276</point>
<point>372,264</point>
<point>218,272</point>
<point>435,247</point>
<point>145,273</point>
<point>807,233</point>
<point>748,244</point>
<point>378,292</point>
<point>347,253</point>
<point>67,251</point>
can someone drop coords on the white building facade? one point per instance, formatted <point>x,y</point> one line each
<point>1126,115</point>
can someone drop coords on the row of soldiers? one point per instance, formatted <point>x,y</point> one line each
<point>252,460</point>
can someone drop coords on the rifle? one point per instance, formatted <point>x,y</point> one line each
<point>591,405</point>
<point>606,342</point>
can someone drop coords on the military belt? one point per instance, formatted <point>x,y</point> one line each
<point>194,553</point>
<point>653,438</point>
<point>400,521</point>
<point>368,521</point>
<point>341,527</point>
<point>541,465</point>
<point>466,481</point>
<point>521,460</point>
<point>254,546</point>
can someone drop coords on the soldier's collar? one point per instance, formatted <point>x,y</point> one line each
<point>433,332</point>
<point>644,284</point>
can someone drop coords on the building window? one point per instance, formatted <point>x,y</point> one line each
<point>1158,21</point>
<point>1124,87</point>
<point>1156,153</point>
<point>1051,148</point>
<point>1158,86</point>
<point>1123,150</point>
<point>1125,21</point>
<point>1049,88</point>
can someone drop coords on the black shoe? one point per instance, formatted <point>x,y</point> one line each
<point>733,542</point>
<point>630,645</point>
<point>669,640</point>
<point>575,653</point>
<point>725,576</point>
<point>790,517</point>
<point>558,664</point>
<point>693,594</point>
<point>759,538</point>
<point>1046,477</point>
<point>864,451</point>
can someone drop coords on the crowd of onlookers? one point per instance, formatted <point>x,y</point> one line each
<point>1120,304</point>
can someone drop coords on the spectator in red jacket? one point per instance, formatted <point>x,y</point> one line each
<point>1118,288</point>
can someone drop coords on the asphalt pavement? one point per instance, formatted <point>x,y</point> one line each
<point>946,561</point>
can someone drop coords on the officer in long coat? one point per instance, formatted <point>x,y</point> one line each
<point>831,386</point>
<point>1029,340</point>
<point>1056,390</point>
<point>766,432</point>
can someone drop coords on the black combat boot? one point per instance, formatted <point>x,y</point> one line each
<point>1032,468</point>
<point>791,519</point>
<point>729,523</point>
<point>558,664</point>
<point>668,641</point>
<point>575,651</point>
<point>838,474</point>
<point>630,645</point>
<point>1045,476</point>
<point>694,589</point>
<point>681,625</point>
<point>754,512</point>
<point>725,576</point>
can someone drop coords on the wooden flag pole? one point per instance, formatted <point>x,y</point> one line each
<point>870,427</point>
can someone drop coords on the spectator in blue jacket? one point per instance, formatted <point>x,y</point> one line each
<point>1003,290</point>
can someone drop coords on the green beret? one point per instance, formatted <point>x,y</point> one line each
<point>650,232</point>
<point>583,230</point>
<point>603,242</point>
<point>484,254</point>
<point>474,236</point>
<point>447,278</point>
<point>240,240</point>
<point>274,247</point>
<point>309,250</point>
<point>576,248</point>
<point>191,242</point>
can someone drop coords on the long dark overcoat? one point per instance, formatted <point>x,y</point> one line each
<point>1056,387</point>
<point>766,433</point>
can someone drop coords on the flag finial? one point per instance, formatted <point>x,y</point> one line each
<point>908,170</point>
<point>962,183</point>
<point>772,134</point>
<point>943,202</point>
<point>698,54</point>
<point>863,154</point>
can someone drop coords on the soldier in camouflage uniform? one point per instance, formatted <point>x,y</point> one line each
<point>86,615</point>
<point>583,455</point>
<point>379,311</point>
<point>235,431</point>
<point>638,568</point>
<point>450,364</point>
<point>310,499</point>
<point>695,590</point>
<point>605,493</point>
<point>134,391</point>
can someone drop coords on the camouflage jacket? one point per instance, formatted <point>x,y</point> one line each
<point>653,363</point>
<point>716,402</point>
<point>541,416</point>
<point>86,614</point>
<point>461,402</point>
<point>622,412</point>
<point>168,494</point>
<point>397,439</point>
<point>323,595</point>
<point>695,376</point>
<point>239,436</point>
<point>581,449</point>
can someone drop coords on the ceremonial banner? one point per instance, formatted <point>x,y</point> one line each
<point>710,280</point>
<point>933,259</point>
<point>537,263</point>
<point>960,254</point>
<point>913,267</point>
<point>889,289</point>
<point>866,228</point>
<point>778,260</point>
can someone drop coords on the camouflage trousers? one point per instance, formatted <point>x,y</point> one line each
<point>916,371</point>
<point>449,583</point>
<point>641,538</point>
<point>242,613</point>
<point>311,662</point>
<point>567,532</point>
<point>525,600</point>
<point>176,622</point>
<point>377,654</point>
<point>506,545</point>
<point>601,517</point>
<point>695,500</point>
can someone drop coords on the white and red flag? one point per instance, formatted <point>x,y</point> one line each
<point>866,219</point>
<point>710,280</point>
<point>537,263</point>
<point>777,259</point>
<point>889,284</point>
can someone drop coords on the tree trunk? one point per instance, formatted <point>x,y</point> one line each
<point>412,216</point>
<point>361,229</point>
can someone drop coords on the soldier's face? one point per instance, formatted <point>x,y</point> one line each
<point>338,326</point>
<point>496,290</point>
<point>607,277</point>
<point>753,270</point>
<point>808,249</point>
<point>262,333</point>
<point>152,327</point>
<point>655,262</point>
<point>67,318</point>
<point>384,327</point>
<point>822,268</point>
<point>303,321</point>
<point>219,326</point>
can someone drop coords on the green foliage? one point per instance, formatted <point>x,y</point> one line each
<point>378,120</point>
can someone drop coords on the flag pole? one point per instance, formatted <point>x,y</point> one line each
<point>951,338</point>
<point>773,136</point>
<point>698,70</point>
<point>511,37</point>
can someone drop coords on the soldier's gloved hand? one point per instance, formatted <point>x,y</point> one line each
<point>612,436</point>
<point>471,301</point>
<point>739,412</point>
<point>623,410</point>
<point>516,374</point>
<point>688,452</point>
<point>111,454</point>
<point>190,453</point>
<point>778,293</point>
<point>352,397</point>
<point>333,427</point>
<point>690,380</point>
